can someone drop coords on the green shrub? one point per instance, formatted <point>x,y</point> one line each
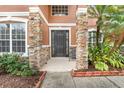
<point>11,63</point>
<point>102,59</point>
<point>101,66</point>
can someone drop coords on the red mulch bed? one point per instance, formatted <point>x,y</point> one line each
<point>10,81</point>
<point>91,71</point>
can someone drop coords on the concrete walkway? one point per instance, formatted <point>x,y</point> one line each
<point>59,64</point>
<point>65,80</point>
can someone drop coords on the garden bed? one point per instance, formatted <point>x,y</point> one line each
<point>10,81</point>
<point>93,72</point>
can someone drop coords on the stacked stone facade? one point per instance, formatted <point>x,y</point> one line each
<point>45,54</point>
<point>72,52</point>
<point>82,39</point>
<point>35,40</point>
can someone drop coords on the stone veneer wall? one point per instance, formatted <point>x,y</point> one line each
<point>82,39</point>
<point>35,40</point>
<point>72,52</point>
<point>45,54</point>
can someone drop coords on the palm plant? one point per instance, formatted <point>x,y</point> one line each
<point>111,23</point>
<point>101,12</point>
<point>114,21</point>
<point>114,29</point>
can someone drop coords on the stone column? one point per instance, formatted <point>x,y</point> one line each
<point>35,38</point>
<point>82,39</point>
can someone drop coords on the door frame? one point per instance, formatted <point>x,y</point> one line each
<point>58,28</point>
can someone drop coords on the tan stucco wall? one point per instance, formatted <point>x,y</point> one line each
<point>45,10</point>
<point>73,35</point>
<point>45,34</point>
<point>64,19</point>
<point>14,8</point>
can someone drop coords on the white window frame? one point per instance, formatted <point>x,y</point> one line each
<point>6,39</point>
<point>18,20</point>
<point>122,46</point>
<point>94,30</point>
<point>58,14</point>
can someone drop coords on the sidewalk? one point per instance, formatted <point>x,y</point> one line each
<point>65,80</point>
<point>59,64</point>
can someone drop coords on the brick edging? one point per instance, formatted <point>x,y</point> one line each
<point>42,77</point>
<point>75,73</point>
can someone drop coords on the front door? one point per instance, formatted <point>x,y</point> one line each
<point>59,42</point>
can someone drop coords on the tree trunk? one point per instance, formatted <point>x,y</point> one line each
<point>118,42</point>
<point>97,36</point>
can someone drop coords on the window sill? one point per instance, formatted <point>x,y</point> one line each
<point>59,15</point>
<point>23,55</point>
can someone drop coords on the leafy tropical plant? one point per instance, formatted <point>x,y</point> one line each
<point>111,23</point>
<point>101,66</point>
<point>114,30</point>
<point>102,59</point>
<point>103,13</point>
<point>12,63</point>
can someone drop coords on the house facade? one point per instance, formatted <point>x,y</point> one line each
<point>40,32</point>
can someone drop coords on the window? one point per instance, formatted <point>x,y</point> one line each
<point>18,37</point>
<point>4,38</point>
<point>12,37</point>
<point>122,49</point>
<point>92,37</point>
<point>59,10</point>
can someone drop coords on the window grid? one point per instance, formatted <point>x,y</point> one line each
<point>122,48</point>
<point>4,38</point>
<point>16,39</point>
<point>59,10</point>
<point>92,38</point>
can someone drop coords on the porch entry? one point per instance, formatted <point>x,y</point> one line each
<point>60,43</point>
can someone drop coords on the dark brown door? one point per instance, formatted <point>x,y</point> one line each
<point>59,42</point>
